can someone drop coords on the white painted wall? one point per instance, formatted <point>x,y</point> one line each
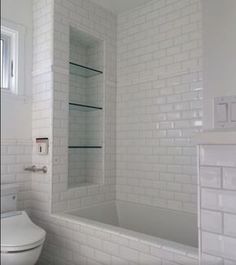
<point>219,42</point>
<point>16,110</point>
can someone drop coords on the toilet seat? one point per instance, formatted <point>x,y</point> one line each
<point>19,233</point>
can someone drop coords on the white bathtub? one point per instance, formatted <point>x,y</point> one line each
<point>164,234</point>
<point>153,221</point>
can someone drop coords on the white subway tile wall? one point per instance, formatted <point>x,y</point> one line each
<point>97,22</point>
<point>159,109</point>
<point>71,242</point>
<point>217,204</point>
<point>15,156</point>
<point>42,101</point>
<point>159,103</point>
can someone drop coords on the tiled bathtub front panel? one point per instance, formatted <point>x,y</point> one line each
<point>218,204</point>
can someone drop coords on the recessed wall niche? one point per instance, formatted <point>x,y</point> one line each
<point>86,112</point>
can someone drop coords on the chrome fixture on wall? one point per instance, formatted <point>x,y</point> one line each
<point>35,169</point>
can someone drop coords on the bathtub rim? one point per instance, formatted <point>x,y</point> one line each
<point>167,245</point>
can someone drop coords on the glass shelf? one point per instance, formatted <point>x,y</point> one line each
<point>84,147</point>
<point>82,107</point>
<point>81,184</point>
<point>84,71</point>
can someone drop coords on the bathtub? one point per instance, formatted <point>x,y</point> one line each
<point>169,235</point>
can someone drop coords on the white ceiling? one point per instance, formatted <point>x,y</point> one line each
<point>118,6</point>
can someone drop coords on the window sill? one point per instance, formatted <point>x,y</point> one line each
<point>12,96</point>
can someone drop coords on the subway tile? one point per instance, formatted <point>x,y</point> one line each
<point>211,260</point>
<point>211,243</point>
<point>219,245</point>
<point>229,178</point>
<point>210,177</point>
<point>228,202</point>
<point>221,155</point>
<point>148,259</point>
<point>229,262</point>
<point>230,224</point>
<point>229,246</point>
<point>129,254</point>
<point>218,200</point>
<point>210,199</point>
<point>211,221</point>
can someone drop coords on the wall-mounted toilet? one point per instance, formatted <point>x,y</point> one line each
<point>21,239</point>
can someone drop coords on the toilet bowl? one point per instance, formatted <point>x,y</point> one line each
<point>21,239</point>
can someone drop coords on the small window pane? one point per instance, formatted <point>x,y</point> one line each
<point>2,45</point>
<point>7,59</point>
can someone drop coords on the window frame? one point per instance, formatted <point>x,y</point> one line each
<point>5,60</point>
<point>14,34</point>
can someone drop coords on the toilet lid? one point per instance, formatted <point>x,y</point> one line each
<point>18,231</point>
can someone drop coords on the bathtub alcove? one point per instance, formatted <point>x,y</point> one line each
<point>153,221</point>
<point>86,200</point>
<point>168,235</point>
